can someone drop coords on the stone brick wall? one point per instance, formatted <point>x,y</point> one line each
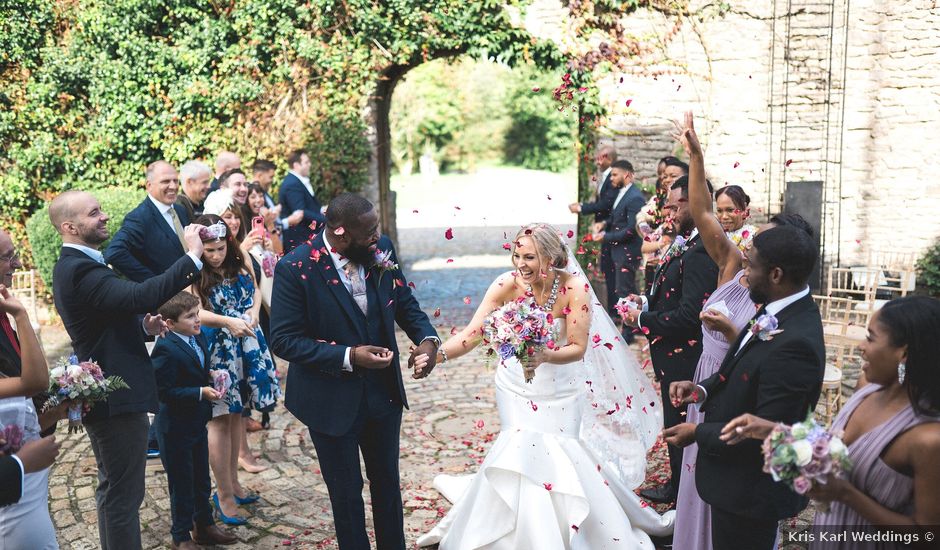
<point>847,93</point>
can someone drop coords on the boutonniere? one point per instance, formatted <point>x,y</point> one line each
<point>678,247</point>
<point>383,262</point>
<point>765,327</point>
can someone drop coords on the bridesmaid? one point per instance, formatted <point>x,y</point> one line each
<point>693,518</point>
<point>891,427</point>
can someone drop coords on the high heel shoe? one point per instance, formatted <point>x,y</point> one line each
<point>251,468</point>
<point>227,520</point>
<point>250,499</point>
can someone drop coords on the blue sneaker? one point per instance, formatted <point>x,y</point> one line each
<point>153,453</point>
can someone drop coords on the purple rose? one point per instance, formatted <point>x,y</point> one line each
<point>821,448</point>
<point>802,485</point>
<point>505,351</point>
<point>766,323</point>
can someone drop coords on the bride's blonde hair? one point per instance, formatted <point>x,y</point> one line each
<point>548,243</point>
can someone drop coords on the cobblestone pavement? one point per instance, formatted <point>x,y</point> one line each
<point>448,429</point>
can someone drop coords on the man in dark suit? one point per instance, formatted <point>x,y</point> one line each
<point>34,456</point>
<point>620,248</point>
<point>151,236</point>
<point>100,312</point>
<point>262,172</point>
<point>186,395</point>
<point>669,317</point>
<point>774,371</point>
<point>296,193</point>
<point>194,187</point>
<point>333,316</point>
<point>606,191</point>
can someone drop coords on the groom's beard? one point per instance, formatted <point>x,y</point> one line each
<point>362,255</point>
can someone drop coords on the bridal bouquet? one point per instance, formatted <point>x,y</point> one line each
<point>519,329</point>
<point>81,383</point>
<point>804,454</point>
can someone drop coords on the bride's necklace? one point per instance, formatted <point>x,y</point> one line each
<point>551,297</point>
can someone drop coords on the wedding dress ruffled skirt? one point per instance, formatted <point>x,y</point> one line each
<point>539,486</point>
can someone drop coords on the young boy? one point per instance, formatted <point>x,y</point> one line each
<point>186,394</point>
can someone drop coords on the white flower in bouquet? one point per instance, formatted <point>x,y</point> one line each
<point>804,452</point>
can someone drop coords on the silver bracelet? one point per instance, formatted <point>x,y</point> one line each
<point>443,355</point>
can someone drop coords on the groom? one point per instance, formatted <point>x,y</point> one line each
<point>774,371</point>
<point>333,313</point>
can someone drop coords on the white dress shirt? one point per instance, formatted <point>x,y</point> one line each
<point>305,181</point>
<point>164,209</point>
<point>95,255</point>
<point>600,185</point>
<point>620,194</point>
<point>339,262</point>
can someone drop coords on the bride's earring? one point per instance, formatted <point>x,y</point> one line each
<point>902,371</point>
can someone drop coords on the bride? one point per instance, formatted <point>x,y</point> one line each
<point>573,442</point>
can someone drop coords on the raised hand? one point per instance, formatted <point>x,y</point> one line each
<point>9,303</point>
<point>685,134</point>
<point>370,357</point>
<point>192,238</point>
<point>746,426</point>
<point>154,325</point>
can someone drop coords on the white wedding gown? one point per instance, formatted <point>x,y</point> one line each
<point>27,524</point>
<point>540,487</point>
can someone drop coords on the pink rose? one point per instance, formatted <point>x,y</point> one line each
<point>802,485</point>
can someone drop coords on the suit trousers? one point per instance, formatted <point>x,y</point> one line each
<point>610,280</point>
<point>376,433</point>
<point>731,531</point>
<point>186,461</point>
<point>120,446</point>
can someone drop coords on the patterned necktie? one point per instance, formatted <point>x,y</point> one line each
<point>178,228</point>
<point>8,329</point>
<point>198,350</point>
<point>358,287</point>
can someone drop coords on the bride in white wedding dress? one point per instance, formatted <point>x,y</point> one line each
<point>573,442</point>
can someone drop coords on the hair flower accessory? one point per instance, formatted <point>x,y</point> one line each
<point>765,327</point>
<point>214,232</point>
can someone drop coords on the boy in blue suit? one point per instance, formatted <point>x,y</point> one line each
<point>186,394</point>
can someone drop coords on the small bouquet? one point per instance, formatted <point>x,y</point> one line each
<point>221,381</point>
<point>81,384</point>
<point>519,329</point>
<point>804,454</point>
<point>268,263</point>
<point>11,439</point>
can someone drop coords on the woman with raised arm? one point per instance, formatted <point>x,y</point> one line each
<point>573,439</point>
<point>723,316</point>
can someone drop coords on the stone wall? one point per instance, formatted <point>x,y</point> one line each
<point>847,93</point>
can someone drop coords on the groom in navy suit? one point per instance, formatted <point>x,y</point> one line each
<point>333,313</point>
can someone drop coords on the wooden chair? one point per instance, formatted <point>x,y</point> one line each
<point>856,283</point>
<point>24,288</point>
<point>842,321</point>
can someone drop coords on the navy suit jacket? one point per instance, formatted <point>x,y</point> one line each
<point>180,379</point>
<point>606,195</point>
<point>314,319</point>
<point>294,196</point>
<point>145,246</point>
<point>100,311</point>
<point>11,481</point>
<point>620,233</point>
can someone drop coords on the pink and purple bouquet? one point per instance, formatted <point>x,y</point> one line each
<point>81,383</point>
<point>804,454</point>
<point>519,329</point>
<point>11,439</point>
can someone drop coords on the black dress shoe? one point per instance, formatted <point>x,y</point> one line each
<point>661,494</point>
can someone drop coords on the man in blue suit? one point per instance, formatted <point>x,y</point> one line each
<point>296,193</point>
<point>151,237</point>
<point>620,249</point>
<point>335,304</point>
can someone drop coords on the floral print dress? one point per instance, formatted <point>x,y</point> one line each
<point>251,370</point>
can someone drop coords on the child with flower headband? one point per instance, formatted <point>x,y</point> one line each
<point>231,300</point>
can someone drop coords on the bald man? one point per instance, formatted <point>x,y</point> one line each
<point>151,237</point>
<point>100,311</point>
<point>224,161</point>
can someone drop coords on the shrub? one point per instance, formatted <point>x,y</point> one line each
<point>540,136</point>
<point>928,271</point>
<point>46,242</point>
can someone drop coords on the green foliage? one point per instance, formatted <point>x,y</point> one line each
<point>340,149</point>
<point>45,242</point>
<point>928,271</point>
<point>541,135</point>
